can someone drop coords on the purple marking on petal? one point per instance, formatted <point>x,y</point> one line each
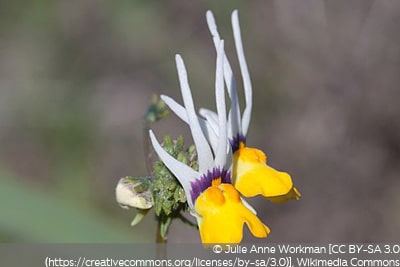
<point>205,181</point>
<point>236,140</point>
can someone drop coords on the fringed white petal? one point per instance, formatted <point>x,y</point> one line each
<point>211,118</point>
<point>182,172</point>
<point>245,73</point>
<point>209,133</point>
<point>180,111</point>
<point>177,108</point>
<point>212,26</point>
<point>220,155</point>
<point>234,112</point>
<point>204,154</point>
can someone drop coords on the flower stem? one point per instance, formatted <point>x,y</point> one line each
<point>147,149</point>
<point>161,248</point>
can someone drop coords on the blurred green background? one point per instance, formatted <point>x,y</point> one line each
<point>76,78</point>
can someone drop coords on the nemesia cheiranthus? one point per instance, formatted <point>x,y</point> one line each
<point>251,174</point>
<point>212,199</point>
<point>217,170</point>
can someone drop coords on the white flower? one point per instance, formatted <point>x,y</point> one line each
<point>250,173</point>
<point>212,199</point>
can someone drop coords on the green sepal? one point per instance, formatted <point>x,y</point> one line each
<point>139,216</point>
<point>165,223</point>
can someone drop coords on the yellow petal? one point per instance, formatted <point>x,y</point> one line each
<point>252,176</point>
<point>222,215</point>
<point>293,194</point>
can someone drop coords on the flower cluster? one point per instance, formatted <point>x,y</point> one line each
<point>228,170</point>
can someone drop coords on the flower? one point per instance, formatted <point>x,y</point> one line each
<point>213,201</point>
<point>251,174</point>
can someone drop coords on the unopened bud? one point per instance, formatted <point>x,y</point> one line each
<point>134,192</point>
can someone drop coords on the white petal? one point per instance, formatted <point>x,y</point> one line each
<point>229,158</point>
<point>211,117</point>
<point>182,172</point>
<point>234,113</point>
<point>210,134</point>
<point>234,116</point>
<point>178,109</point>
<point>230,126</point>
<point>247,205</point>
<point>211,121</point>
<point>203,149</point>
<point>220,155</point>
<point>245,73</point>
<point>212,26</point>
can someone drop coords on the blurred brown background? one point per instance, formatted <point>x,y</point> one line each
<point>76,78</point>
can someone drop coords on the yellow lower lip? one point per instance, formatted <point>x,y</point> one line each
<point>252,176</point>
<point>222,216</point>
